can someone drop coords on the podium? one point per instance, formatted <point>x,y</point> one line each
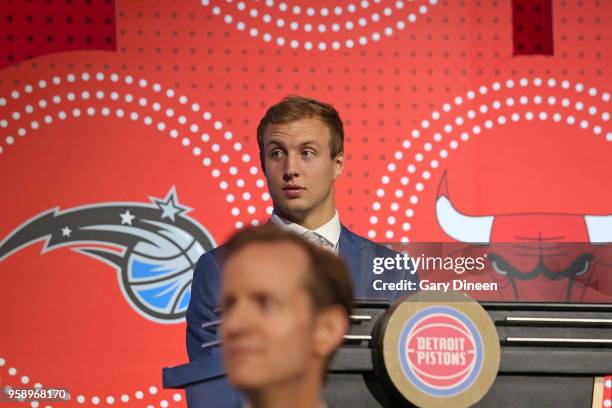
<point>550,356</point>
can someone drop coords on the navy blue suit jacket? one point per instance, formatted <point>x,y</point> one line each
<point>357,252</point>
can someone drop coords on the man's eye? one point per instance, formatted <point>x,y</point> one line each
<point>264,302</point>
<point>275,154</point>
<point>227,306</point>
<point>308,153</point>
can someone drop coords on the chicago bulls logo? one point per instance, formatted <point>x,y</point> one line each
<point>537,256</point>
<point>596,229</point>
<point>153,246</point>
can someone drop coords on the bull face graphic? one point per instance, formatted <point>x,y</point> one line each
<point>537,256</point>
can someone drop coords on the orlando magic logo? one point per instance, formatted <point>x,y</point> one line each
<point>154,248</point>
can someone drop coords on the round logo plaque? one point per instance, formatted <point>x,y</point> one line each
<point>440,349</point>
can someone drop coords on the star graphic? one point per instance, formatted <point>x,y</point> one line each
<point>66,231</point>
<point>170,205</point>
<point>126,217</point>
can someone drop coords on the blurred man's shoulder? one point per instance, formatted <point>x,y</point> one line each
<point>210,258</point>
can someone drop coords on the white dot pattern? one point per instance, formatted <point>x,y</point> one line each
<point>544,109</point>
<point>327,28</point>
<point>136,108</point>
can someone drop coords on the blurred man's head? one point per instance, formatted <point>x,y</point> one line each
<point>301,148</point>
<point>285,305</point>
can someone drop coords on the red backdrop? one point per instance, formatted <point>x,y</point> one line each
<point>106,102</point>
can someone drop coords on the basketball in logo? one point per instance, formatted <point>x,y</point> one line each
<point>156,277</point>
<point>440,351</point>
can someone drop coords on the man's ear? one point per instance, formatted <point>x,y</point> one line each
<point>331,326</point>
<point>338,164</point>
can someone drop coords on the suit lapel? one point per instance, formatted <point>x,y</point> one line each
<point>350,250</point>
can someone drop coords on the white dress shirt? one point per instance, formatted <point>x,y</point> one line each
<point>330,230</point>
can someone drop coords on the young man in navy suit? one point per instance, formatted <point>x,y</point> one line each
<point>301,147</point>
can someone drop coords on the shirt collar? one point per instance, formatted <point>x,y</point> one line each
<point>330,230</point>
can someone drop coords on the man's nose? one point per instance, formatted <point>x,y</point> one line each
<point>292,166</point>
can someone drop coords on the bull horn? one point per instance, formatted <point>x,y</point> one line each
<point>599,228</point>
<point>459,226</point>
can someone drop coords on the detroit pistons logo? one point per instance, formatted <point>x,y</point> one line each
<point>441,351</point>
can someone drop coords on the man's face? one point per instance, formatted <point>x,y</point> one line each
<point>299,168</point>
<point>267,328</point>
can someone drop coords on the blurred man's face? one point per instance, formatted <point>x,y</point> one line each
<point>299,168</point>
<point>267,329</point>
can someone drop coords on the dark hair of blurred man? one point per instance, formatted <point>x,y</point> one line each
<point>285,305</point>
